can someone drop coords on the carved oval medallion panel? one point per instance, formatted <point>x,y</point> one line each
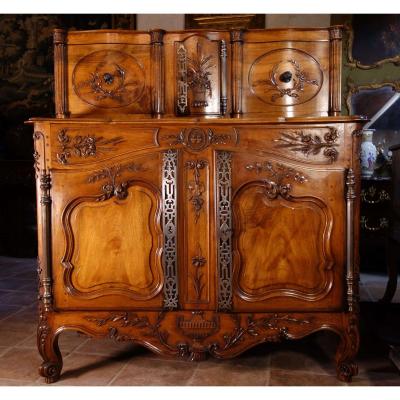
<point>109,79</point>
<point>285,77</point>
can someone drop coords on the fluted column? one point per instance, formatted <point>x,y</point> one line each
<point>60,73</point>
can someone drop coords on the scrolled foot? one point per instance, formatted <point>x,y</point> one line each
<point>346,370</point>
<point>50,371</point>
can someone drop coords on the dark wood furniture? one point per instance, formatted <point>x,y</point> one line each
<point>394,231</point>
<point>376,193</point>
<point>198,193</point>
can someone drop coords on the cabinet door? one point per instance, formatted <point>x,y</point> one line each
<point>288,234</point>
<point>107,234</point>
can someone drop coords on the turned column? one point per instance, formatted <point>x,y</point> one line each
<point>335,70</point>
<point>237,71</point>
<point>60,73</point>
<point>157,72</point>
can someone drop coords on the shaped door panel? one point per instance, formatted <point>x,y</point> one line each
<point>107,249</point>
<point>287,236</point>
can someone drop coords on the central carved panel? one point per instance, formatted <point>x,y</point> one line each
<point>198,80</point>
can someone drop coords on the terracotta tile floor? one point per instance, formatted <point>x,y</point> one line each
<point>103,362</point>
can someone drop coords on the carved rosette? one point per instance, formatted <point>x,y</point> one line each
<point>308,144</point>
<point>112,187</point>
<point>278,176</point>
<point>298,84</point>
<point>83,146</point>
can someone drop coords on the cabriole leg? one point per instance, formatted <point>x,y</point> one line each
<point>347,350</point>
<point>48,348</point>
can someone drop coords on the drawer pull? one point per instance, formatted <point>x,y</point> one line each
<point>383,223</point>
<point>370,195</point>
<point>285,77</point>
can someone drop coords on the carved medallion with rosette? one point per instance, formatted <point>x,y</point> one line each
<point>109,79</point>
<point>285,77</point>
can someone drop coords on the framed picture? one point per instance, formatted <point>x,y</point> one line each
<point>368,100</point>
<point>373,40</point>
<point>224,21</point>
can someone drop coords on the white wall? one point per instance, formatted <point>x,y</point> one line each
<point>171,22</point>
<point>297,20</point>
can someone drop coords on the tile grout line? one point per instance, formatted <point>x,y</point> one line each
<point>190,380</point>
<point>118,373</point>
<point>22,308</point>
<point>76,349</point>
<point>269,365</point>
<point>18,380</point>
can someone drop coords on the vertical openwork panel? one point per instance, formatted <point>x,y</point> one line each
<point>181,80</point>
<point>169,219</point>
<point>224,228</point>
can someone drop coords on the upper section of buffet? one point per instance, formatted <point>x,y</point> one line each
<point>237,73</point>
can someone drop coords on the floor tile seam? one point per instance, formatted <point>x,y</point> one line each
<point>303,371</point>
<point>74,351</point>
<point>6,350</point>
<point>118,374</point>
<point>371,297</point>
<point>10,315</point>
<point>22,308</point>
<point>190,380</point>
<point>20,345</point>
<point>92,353</point>
<point>15,346</point>
<point>17,305</point>
<point>268,378</point>
<point>18,380</point>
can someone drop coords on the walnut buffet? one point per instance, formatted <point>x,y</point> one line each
<point>198,192</point>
